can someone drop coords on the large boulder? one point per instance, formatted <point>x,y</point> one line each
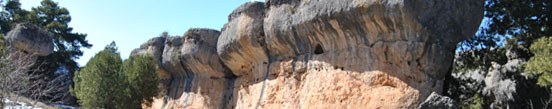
<point>31,39</point>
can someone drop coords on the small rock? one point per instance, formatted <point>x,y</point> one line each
<point>436,101</point>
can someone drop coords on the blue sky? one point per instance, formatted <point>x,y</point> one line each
<point>132,22</point>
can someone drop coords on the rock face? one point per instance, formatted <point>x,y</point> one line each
<point>191,71</point>
<point>242,42</point>
<point>31,39</point>
<point>316,54</point>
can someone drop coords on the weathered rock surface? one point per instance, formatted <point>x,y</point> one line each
<point>436,101</point>
<point>317,54</point>
<point>31,39</point>
<point>241,46</point>
<point>199,54</point>
<point>190,69</point>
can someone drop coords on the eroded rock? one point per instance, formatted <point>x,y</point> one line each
<point>31,39</point>
<point>191,71</point>
<point>199,54</point>
<point>241,45</point>
<point>321,54</point>
<point>436,101</point>
<point>412,42</point>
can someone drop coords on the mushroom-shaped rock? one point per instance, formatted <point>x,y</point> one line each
<point>31,39</point>
<point>170,60</point>
<point>412,40</point>
<point>199,54</point>
<point>323,54</point>
<point>153,47</point>
<point>241,44</point>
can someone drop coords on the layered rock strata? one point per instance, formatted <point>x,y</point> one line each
<point>316,54</point>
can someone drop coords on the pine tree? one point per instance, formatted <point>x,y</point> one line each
<point>98,83</point>
<point>141,81</point>
<point>11,14</point>
<point>107,82</point>
<point>56,20</point>
<point>510,26</point>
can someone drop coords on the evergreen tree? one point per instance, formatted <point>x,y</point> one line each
<point>107,82</point>
<point>510,26</point>
<point>54,19</point>
<point>141,81</point>
<point>525,20</point>
<point>540,65</point>
<point>517,22</point>
<point>67,44</point>
<point>98,83</point>
<point>11,14</point>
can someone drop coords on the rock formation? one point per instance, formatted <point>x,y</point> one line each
<point>436,101</point>
<point>31,39</point>
<point>316,54</point>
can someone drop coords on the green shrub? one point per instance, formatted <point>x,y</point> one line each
<point>540,65</point>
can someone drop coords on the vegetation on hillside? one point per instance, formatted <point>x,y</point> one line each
<point>141,81</point>
<point>108,82</point>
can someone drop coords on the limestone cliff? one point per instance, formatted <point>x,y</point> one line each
<point>316,54</point>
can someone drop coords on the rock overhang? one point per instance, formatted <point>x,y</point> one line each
<point>406,45</point>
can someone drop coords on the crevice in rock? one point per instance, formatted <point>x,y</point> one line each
<point>176,89</point>
<point>166,97</point>
<point>346,61</point>
<point>160,53</point>
<point>264,85</point>
<point>447,80</point>
<point>318,49</point>
<point>228,94</point>
<point>187,88</point>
